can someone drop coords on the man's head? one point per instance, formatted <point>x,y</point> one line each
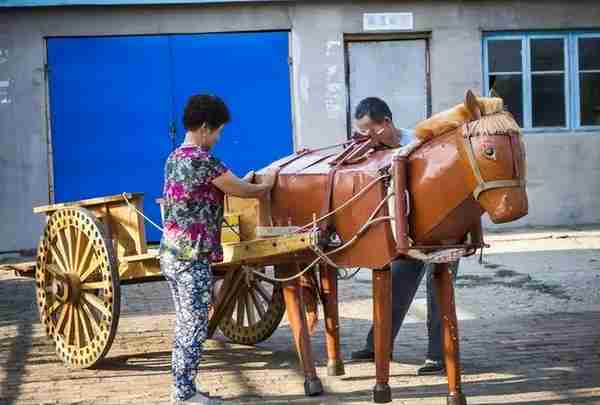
<point>373,118</point>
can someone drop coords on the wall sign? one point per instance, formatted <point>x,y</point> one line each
<point>388,21</point>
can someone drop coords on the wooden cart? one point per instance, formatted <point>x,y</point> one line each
<point>91,247</point>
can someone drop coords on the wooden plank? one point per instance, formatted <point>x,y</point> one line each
<point>86,203</point>
<point>264,248</point>
<point>271,231</point>
<point>127,226</point>
<point>247,209</point>
<point>140,258</point>
<point>24,267</point>
<point>136,267</point>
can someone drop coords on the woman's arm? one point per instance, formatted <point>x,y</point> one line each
<point>230,184</point>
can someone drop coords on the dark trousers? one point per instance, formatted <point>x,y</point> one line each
<point>406,277</point>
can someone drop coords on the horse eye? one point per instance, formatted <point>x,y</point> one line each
<point>489,152</point>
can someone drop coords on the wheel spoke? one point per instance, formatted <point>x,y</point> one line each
<point>76,326</point>
<point>250,310</point>
<point>84,325</point>
<point>96,303</point>
<point>55,305</point>
<point>241,302</point>
<point>56,271</point>
<point>58,259</point>
<point>61,318</point>
<point>95,285</point>
<point>257,304</point>
<point>84,257</point>
<point>91,318</point>
<point>70,248</point>
<point>273,283</point>
<point>93,266</point>
<point>229,312</point>
<point>76,254</point>
<point>62,250</point>
<point>68,325</point>
<point>263,293</point>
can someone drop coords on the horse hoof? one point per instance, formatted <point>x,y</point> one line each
<point>335,368</point>
<point>456,398</point>
<point>312,386</point>
<point>382,394</point>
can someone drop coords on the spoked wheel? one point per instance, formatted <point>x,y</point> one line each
<point>256,310</point>
<point>78,291</point>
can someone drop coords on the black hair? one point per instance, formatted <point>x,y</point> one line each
<point>205,109</point>
<point>374,107</point>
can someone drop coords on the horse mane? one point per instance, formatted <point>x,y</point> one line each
<point>456,116</point>
<point>500,123</point>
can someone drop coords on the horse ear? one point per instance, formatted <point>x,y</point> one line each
<point>472,105</point>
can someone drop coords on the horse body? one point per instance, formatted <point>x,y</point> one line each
<point>302,192</point>
<point>385,203</point>
<point>442,184</point>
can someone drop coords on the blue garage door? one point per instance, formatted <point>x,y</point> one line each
<point>116,106</point>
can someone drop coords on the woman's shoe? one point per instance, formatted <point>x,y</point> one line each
<point>200,398</point>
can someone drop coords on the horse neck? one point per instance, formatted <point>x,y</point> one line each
<point>443,207</point>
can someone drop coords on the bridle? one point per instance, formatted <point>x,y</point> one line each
<point>482,184</point>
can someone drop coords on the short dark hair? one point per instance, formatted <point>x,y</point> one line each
<point>374,107</point>
<point>205,109</point>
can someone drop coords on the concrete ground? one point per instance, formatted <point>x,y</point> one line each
<point>529,327</point>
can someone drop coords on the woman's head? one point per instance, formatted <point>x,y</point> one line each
<point>204,117</point>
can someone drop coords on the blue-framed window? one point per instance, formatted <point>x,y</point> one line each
<point>548,80</point>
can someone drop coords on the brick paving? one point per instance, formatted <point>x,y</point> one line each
<point>516,356</point>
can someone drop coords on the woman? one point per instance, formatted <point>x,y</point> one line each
<point>195,184</point>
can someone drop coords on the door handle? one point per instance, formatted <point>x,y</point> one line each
<point>172,134</point>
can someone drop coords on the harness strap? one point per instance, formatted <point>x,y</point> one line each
<point>488,185</point>
<point>296,156</point>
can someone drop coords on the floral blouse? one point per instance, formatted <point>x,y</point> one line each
<point>193,206</point>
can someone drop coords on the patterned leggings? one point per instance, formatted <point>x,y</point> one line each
<point>191,284</point>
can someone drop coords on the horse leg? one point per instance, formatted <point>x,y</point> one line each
<point>297,318</point>
<point>382,333</point>
<point>329,285</point>
<point>442,278</point>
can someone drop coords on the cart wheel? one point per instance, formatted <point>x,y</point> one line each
<point>78,291</point>
<point>256,311</point>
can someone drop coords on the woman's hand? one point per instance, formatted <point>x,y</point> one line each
<point>249,177</point>
<point>269,178</point>
<point>230,184</point>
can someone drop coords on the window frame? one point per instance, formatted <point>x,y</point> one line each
<point>571,75</point>
<point>576,102</point>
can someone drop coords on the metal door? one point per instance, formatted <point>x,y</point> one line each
<point>115,103</point>
<point>395,71</point>
<point>250,72</point>
<point>110,106</point>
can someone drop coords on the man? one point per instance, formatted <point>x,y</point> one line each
<point>374,118</point>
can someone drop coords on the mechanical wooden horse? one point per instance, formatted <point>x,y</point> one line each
<point>422,201</point>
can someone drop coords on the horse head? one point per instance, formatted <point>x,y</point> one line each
<point>472,161</point>
<point>494,157</point>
